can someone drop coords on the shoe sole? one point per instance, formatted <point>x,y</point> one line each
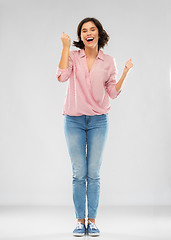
<point>93,234</point>
<point>78,234</point>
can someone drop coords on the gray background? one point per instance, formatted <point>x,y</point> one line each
<point>35,168</point>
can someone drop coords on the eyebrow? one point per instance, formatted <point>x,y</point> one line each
<point>86,28</point>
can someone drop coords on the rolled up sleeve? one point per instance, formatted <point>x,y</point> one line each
<point>111,81</point>
<point>66,72</point>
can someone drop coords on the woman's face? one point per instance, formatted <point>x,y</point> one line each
<point>89,31</point>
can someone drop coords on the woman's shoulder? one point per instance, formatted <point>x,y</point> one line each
<point>107,56</point>
<point>75,53</point>
<point>110,62</point>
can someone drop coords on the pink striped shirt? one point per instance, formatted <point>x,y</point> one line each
<point>88,92</point>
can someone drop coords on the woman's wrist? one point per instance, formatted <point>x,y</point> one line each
<point>126,69</point>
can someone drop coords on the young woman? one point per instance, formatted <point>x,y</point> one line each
<point>92,80</point>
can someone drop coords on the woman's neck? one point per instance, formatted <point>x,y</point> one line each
<point>91,52</point>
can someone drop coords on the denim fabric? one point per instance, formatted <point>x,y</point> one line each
<point>86,138</point>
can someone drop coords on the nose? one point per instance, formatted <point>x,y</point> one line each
<point>89,35</point>
<point>88,32</point>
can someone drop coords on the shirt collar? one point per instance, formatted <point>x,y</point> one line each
<point>100,54</point>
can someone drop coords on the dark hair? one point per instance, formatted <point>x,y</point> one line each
<point>103,36</point>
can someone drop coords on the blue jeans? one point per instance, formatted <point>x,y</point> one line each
<point>86,137</point>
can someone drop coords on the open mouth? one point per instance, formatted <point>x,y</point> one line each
<point>90,39</point>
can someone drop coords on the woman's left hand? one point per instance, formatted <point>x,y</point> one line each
<point>129,64</point>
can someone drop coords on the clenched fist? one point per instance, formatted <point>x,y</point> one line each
<point>66,41</point>
<point>129,64</point>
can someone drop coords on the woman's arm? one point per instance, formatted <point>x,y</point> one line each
<point>64,61</point>
<point>128,66</point>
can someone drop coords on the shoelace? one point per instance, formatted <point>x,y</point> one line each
<point>92,225</point>
<point>79,225</point>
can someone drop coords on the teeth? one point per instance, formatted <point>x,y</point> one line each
<point>90,38</point>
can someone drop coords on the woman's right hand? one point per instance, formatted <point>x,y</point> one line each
<point>66,41</point>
